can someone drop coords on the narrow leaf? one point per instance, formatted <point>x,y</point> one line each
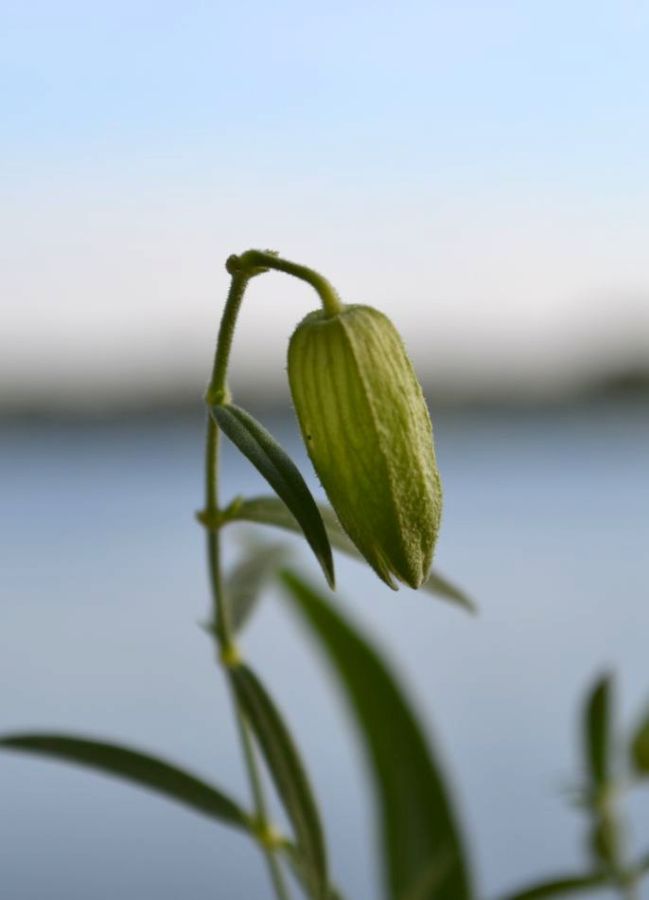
<point>560,887</point>
<point>597,732</point>
<point>244,584</point>
<point>640,748</point>
<point>417,822</point>
<point>281,473</point>
<point>272,511</point>
<point>140,768</point>
<point>288,773</point>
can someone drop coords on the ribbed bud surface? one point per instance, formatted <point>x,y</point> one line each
<point>366,426</point>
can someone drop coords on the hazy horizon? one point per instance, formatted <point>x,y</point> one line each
<point>477,171</point>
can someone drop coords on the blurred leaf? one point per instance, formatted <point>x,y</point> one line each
<point>439,586</point>
<point>281,473</point>
<point>561,886</point>
<point>417,822</point>
<point>271,511</point>
<point>604,839</point>
<point>147,771</point>
<point>640,747</point>
<point>430,878</point>
<point>246,581</point>
<point>597,732</point>
<point>288,773</point>
<point>300,869</point>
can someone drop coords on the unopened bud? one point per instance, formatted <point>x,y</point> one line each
<point>366,426</point>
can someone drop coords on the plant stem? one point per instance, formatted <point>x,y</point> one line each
<point>257,789</point>
<point>610,821</point>
<point>242,268</point>
<point>254,261</point>
<point>217,391</point>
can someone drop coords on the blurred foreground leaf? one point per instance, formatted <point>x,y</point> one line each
<point>279,470</point>
<point>272,511</point>
<point>288,774</point>
<point>640,748</point>
<point>246,581</point>
<point>561,886</point>
<point>140,768</point>
<point>597,732</point>
<point>417,823</point>
<point>300,869</point>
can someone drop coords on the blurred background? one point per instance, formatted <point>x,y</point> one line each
<point>477,170</point>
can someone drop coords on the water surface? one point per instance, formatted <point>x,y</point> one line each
<point>103,587</point>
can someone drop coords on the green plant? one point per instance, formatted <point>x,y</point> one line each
<point>367,430</point>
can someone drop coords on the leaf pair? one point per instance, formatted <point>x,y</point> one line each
<point>598,744</point>
<point>423,853</point>
<point>168,780</point>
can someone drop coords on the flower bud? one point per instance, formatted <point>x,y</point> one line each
<point>366,426</point>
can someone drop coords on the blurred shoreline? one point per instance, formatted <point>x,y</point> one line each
<point>625,387</point>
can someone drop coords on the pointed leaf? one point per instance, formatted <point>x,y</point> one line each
<point>640,748</point>
<point>140,768</point>
<point>560,887</point>
<point>417,822</point>
<point>281,473</point>
<point>440,586</point>
<point>288,773</point>
<point>597,732</point>
<point>246,581</point>
<point>272,511</point>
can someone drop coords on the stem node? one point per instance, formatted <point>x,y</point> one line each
<point>230,655</point>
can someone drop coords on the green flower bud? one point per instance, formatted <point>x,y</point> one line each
<point>366,426</point>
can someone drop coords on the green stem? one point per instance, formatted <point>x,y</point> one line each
<point>261,813</point>
<point>610,821</point>
<point>217,391</point>
<point>254,261</point>
<point>242,268</point>
<point>276,876</point>
<point>256,786</point>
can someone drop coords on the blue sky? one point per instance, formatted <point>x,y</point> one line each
<point>476,169</point>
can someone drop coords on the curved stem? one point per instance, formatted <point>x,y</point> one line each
<point>217,392</point>
<point>255,260</point>
<point>242,268</point>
